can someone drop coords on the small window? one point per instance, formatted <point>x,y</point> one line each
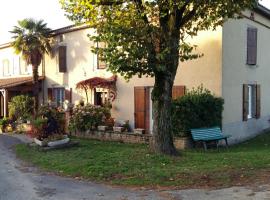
<point>6,67</point>
<point>100,64</point>
<point>100,97</point>
<point>62,59</point>
<point>59,96</point>
<point>251,101</point>
<point>252,46</point>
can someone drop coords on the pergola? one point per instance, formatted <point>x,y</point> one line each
<point>98,82</point>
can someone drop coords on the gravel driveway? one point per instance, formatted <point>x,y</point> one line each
<point>20,182</point>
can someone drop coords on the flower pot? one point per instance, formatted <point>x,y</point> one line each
<point>58,142</point>
<point>40,142</point>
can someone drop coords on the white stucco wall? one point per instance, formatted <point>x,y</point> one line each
<point>205,70</point>
<point>82,64</point>
<point>235,73</point>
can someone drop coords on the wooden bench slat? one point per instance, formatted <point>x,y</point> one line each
<point>208,134</point>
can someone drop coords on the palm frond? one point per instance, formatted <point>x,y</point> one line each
<point>31,37</point>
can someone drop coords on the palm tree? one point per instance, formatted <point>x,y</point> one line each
<point>31,39</point>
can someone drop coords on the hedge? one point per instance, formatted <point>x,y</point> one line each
<point>199,108</point>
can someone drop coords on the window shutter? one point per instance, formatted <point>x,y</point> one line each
<point>178,91</point>
<point>62,59</point>
<point>245,102</point>
<point>141,108</point>
<point>100,64</point>
<point>258,101</point>
<point>252,46</point>
<point>68,95</point>
<point>50,94</point>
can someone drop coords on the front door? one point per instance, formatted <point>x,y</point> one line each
<point>143,106</point>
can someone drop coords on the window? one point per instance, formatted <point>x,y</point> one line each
<point>24,68</point>
<point>59,96</point>
<point>100,96</point>
<point>100,64</point>
<point>62,59</point>
<point>252,46</point>
<point>251,101</point>
<point>6,67</point>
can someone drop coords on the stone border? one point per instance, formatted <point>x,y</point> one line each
<point>131,138</point>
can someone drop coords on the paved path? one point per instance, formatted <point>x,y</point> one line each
<point>18,182</point>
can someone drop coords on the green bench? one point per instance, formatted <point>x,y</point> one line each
<point>205,135</point>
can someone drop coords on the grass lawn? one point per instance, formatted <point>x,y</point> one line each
<point>134,165</point>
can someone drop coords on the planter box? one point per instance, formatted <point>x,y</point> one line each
<point>139,131</point>
<point>58,142</point>
<point>118,129</point>
<point>40,143</point>
<point>183,143</point>
<point>103,128</point>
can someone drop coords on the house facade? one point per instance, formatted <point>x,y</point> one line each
<point>234,66</point>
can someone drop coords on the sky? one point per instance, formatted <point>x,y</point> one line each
<point>13,10</point>
<point>48,10</point>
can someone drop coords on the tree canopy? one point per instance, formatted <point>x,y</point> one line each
<point>135,30</point>
<point>148,37</point>
<point>31,39</point>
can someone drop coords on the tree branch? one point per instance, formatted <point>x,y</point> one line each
<point>109,2</point>
<point>180,13</point>
<point>141,9</point>
<point>187,17</point>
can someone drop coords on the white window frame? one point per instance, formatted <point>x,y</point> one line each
<point>4,67</point>
<point>55,97</point>
<point>250,101</point>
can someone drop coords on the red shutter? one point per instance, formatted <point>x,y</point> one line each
<point>50,94</point>
<point>252,46</point>
<point>258,101</point>
<point>68,95</point>
<point>141,106</point>
<point>178,91</point>
<point>245,102</point>
<point>62,59</point>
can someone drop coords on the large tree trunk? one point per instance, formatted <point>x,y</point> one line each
<point>162,92</point>
<point>35,89</point>
<point>162,128</point>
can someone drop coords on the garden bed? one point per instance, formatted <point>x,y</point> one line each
<point>130,138</point>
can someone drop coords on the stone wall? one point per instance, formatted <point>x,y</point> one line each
<point>131,138</point>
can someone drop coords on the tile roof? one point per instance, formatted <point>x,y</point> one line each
<point>12,82</point>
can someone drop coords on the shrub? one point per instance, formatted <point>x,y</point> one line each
<point>39,126</point>
<point>50,121</point>
<point>55,116</point>
<point>3,123</point>
<point>197,109</point>
<point>88,117</point>
<point>20,107</point>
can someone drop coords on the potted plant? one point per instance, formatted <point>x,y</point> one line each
<point>3,124</point>
<point>47,129</point>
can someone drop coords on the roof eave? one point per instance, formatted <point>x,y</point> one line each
<point>263,11</point>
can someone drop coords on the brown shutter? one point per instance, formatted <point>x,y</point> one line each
<point>258,101</point>
<point>245,102</point>
<point>68,95</point>
<point>100,64</point>
<point>252,46</point>
<point>141,106</point>
<point>62,59</point>
<point>50,94</point>
<point>178,91</point>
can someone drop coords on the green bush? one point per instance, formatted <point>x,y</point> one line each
<point>20,107</point>
<point>88,117</point>
<point>197,109</point>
